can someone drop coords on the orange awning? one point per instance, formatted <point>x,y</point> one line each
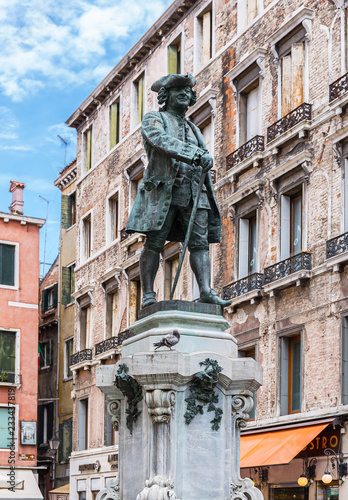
<point>276,447</point>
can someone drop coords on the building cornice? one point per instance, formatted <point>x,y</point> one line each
<point>22,219</point>
<point>67,176</point>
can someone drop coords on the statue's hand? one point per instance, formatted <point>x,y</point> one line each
<point>206,162</point>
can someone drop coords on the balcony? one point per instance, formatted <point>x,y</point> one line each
<point>338,88</point>
<point>294,270</point>
<point>243,290</point>
<point>247,155</point>
<point>108,347</point>
<point>294,123</point>
<point>337,251</point>
<point>81,359</point>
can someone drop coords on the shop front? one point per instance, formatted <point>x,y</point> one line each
<point>297,462</point>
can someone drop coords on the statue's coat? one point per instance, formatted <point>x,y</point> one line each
<point>164,153</point>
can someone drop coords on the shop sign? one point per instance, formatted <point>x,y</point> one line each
<point>26,456</point>
<point>328,438</point>
<point>95,467</point>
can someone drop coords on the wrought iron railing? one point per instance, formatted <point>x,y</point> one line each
<point>106,345</point>
<point>338,87</point>
<point>301,261</point>
<point>297,115</point>
<point>122,336</point>
<point>255,144</point>
<point>79,357</point>
<point>242,286</point>
<point>337,245</point>
<point>123,234</point>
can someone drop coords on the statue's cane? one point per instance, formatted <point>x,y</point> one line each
<point>188,233</point>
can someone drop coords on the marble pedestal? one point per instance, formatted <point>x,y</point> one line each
<point>161,456</point>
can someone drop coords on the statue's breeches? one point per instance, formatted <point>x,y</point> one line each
<point>155,240</point>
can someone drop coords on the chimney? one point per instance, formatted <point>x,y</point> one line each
<point>16,189</point>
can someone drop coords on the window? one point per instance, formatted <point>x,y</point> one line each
<point>68,284</point>
<point>87,140</point>
<point>85,327</point>
<point>174,57</point>
<point>249,104</point>
<point>249,353</point>
<point>291,223</point>
<point>83,424</point>
<point>292,77</point>
<point>204,29</point>
<point>7,264</point>
<point>65,437</point>
<point>344,361</point>
<point>68,210</point>
<point>134,299</point>
<point>111,437</point>
<point>81,489</point>
<point>170,269</point>
<point>114,217</point>
<point>49,297</point>
<point>7,433</point>
<point>247,11</point>
<point>45,418</point>
<point>247,247</point>
<point>111,314</point>
<point>114,123</point>
<point>291,366</point>
<point>345,175</point>
<point>86,236</point>
<point>136,173</point>
<point>140,98</point>
<point>7,356</point>
<point>95,486</point>
<point>46,353</point>
<point>68,352</point>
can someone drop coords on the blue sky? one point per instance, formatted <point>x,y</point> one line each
<point>53,54</point>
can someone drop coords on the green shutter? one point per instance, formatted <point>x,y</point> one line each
<point>7,352</point>
<point>7,265</point>
<point>172,59</point>
<point>88,149</point>
<point>65,285</point>
<point>141,98</point>
<point>114,123</point>
<point>65,211</point>
<point>72,282</point>
<point>65,437</point>
<point>44,300</point>
<point>50,352</point>
<point>55,295</point>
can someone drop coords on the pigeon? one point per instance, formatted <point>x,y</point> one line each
<point>168,341</point>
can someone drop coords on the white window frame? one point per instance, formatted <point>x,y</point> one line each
<point>17,332</point>
<point>84,148</point>
<point>242,14</point>
<point>282,338</point>
<point>198,38</point>
<point>16,270</point>
<point>88,333</point>
<point>66,367</point>
<point>83,257</point>
<point>282,254</point>
<point>134,99</point>
<point>113,194</point>
<point>16,406</point>
<point>87,424</point>
<point>173,41</point>
<point>117,97</point>
<point>243,257</point>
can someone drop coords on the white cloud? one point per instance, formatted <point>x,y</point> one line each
<point>59,43</point>
<point>8,124</point>
<point>9,147</point>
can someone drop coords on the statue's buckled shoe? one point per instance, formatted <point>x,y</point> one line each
<point>212,297</point>
<point>148,299</point>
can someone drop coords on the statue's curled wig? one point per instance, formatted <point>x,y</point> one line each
<point>163,94</point>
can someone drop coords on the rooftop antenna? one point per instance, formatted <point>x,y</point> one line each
<point>65,142</point>
<point>44,262</point>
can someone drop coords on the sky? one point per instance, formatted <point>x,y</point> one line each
<point>53,55</point>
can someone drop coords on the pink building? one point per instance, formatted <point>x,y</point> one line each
<point>19,291</point>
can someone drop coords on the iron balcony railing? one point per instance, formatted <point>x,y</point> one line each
<point>338,87</point>
<point>255,144</point>
<point>106,345</point>
<point>299,262</point>
<point>297,115</point>
<point>122,336</point>
<point>242,286</point>
<point>123,234</point>
<point>79,357</point>
<point>337,245</point>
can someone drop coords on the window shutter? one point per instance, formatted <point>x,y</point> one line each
<point>82,425</point>
<point>285,228</point>
<point>252,113</point>
<point>65,285</point>
<point>344,361</point>
<point>55,295</point>
<point>252,10</point>
<point>50,417</point>
<point>50,353</point>
<point>65,211</point>
<point>243,247</point>
<point>172,59</point>
<point>88,149</point>
<point>61,439</point>
<point>206,28</point>
<point>141,99</point>
<point>40,424</point>
<point>297,70</point>
<point>44,300</point>
<point>114,124</point>
<point>284,376</point>
<point>7,265</point>
<point>286,85</point>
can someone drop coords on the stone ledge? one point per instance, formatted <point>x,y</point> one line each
<point>181,305</point>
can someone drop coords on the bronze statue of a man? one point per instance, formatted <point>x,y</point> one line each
<point>177,156</point>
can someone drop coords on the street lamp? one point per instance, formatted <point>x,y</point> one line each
<point>308,474</point>
<point>336,461</point>
<point>54,443</point>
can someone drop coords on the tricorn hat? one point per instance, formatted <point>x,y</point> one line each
<point>174,80</point>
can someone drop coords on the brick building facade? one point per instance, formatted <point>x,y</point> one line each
<point>272,99</point>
